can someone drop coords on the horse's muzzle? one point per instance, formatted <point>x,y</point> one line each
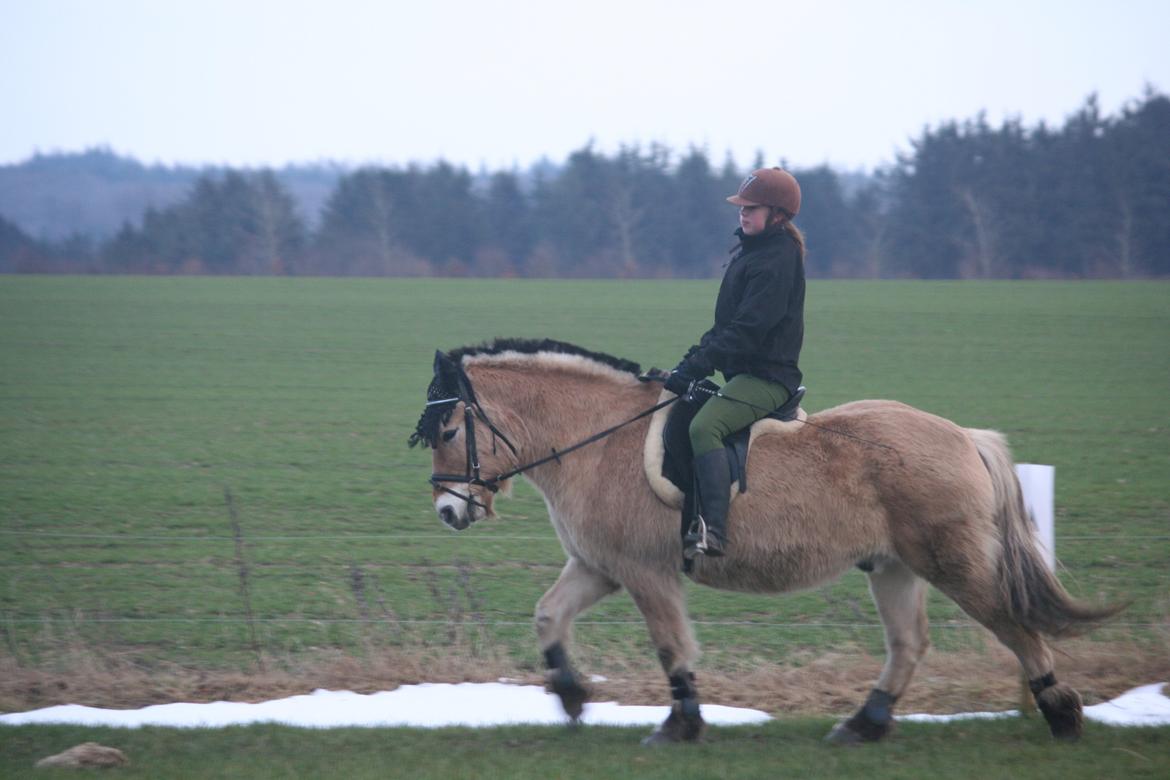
<point>455,512</point>
<point>452,519</point>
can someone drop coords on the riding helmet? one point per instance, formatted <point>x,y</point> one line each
<point>769,187</point>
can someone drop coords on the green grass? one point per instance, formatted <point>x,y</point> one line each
<point>786,748</point>
<point>131,407</point>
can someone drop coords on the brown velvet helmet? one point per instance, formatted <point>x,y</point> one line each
<point>769,187</point>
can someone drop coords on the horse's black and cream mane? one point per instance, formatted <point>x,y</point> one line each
<point>449,376</point>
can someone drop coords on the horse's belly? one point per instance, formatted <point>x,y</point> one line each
<point>783,573</point>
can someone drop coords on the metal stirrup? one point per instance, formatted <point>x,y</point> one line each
<point>698,528</point>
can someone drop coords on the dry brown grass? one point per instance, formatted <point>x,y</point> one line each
<point>828,683</point>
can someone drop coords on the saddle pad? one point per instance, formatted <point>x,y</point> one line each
<point>654,451</point>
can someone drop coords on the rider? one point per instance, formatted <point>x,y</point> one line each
<point>755,341</point>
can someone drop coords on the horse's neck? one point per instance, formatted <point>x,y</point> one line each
<point>551,411</point>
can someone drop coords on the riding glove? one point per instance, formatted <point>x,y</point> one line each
<point>678,382</point>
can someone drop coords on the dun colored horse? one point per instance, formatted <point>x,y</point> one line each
<point>908,497</point>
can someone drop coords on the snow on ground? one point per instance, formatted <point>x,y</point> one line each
<point>432,705</point>
<point>1145,706</point>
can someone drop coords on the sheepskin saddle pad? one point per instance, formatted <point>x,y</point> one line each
<point>666,455</point>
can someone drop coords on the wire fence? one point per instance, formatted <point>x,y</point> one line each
<point>411,536</point>
<point>952,625</point>
<point>459,616</point>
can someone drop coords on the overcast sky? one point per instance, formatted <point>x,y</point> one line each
<point>497,83</point>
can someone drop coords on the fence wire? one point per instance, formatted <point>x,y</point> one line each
<point>412,536</point>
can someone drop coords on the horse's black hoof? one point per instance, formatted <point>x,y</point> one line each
<point>1061,706</point>
<point>572,694</point>
<point>844,733</point>
<point>871,723</point>
<point>659,738</point>
<point>684,724</point>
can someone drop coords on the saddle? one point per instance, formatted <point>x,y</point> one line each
<point>667,457</point>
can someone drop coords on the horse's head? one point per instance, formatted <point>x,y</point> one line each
<point>467,455</point>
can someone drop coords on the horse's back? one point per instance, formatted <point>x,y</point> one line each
<point>854,481</point>
<point>894,427</point>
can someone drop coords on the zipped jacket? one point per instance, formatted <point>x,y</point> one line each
<point>759,314</point>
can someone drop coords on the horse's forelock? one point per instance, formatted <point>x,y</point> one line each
<point>433,418</point>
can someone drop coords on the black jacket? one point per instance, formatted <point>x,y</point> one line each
<point>759,314</point>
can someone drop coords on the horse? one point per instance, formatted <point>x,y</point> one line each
<point>909,497</point>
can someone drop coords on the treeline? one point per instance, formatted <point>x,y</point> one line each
<point>1090,198</point>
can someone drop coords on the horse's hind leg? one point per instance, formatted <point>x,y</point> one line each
<point>661,602</point>
<point>577,589</point>
<point>900,596</point>
<point>1059,702</point>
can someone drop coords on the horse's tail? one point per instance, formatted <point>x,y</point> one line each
<point>1034,595</point>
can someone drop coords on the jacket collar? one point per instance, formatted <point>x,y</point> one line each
<point>750,243</point>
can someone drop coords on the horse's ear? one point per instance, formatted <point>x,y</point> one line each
<point>445,367</point>
<point>446,373</point>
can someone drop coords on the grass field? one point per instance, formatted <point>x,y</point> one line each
<point>787,748</point>
<point>209,477</point>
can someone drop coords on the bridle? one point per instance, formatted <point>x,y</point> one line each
<point>472,475</point>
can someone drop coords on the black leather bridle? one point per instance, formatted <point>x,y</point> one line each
<point>472,475</point>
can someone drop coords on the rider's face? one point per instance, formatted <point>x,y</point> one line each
<point>753,219</point>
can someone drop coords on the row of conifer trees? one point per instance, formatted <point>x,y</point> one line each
<point>1090,198</point>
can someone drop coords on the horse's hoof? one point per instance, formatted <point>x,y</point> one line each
<point>684,724</point>
<point>572,694</point>
<point>845,734</point>
<point>659,737</point>
<point>1061,706</point>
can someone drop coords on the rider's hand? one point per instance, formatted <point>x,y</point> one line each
<point>678,382</point>
<point>696,365</point>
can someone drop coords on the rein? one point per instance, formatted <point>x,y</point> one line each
<point>472,475</point>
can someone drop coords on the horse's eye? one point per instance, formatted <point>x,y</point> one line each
<point>449,435</point>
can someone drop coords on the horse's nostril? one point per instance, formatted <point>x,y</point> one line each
<point>448,515</point>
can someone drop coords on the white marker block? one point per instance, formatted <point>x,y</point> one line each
<point>1037,483</point>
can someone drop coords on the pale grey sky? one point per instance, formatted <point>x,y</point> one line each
<point>496,83</point>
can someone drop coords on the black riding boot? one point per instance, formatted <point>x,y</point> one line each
<point>713,475</point>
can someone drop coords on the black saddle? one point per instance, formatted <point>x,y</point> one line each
<point>677,462</point>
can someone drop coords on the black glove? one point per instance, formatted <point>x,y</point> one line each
<point>696,365</point>
<point>678,382</point>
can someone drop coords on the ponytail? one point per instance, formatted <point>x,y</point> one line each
<point>785,224</point>
<point>794,232</point>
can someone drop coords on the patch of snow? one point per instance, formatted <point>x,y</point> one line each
<point>432,705</point>
<point>923,717</point>
<point>1144,706</point>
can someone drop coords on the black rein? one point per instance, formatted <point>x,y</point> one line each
<point>472,475</point>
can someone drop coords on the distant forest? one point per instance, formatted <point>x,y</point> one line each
<point>1088,199</point>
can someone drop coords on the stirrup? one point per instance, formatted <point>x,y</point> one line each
<point>695,543</point>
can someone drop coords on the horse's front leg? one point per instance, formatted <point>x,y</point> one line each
<point>577,589</point>
<point>660,599</point>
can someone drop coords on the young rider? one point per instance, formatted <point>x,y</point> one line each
<point>755,341</point>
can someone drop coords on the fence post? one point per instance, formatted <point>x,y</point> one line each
<point>1037,483</point>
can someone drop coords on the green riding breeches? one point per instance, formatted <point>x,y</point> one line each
<point>721,417</point>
